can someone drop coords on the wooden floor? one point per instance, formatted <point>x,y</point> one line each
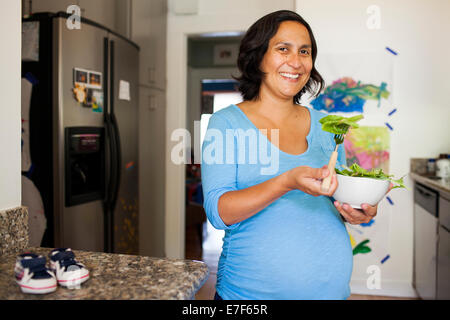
<point>206,292</point>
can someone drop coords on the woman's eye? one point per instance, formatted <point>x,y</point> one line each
<point>283,49</point>
<point>304,51</point>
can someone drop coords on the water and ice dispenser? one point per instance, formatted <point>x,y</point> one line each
<point>84,165</point>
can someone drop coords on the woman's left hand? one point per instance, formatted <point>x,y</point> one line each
<point>357,216</point>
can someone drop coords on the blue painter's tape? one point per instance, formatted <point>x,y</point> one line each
<point>391,51</point>
<point>385,258</point>
<point>392,112</point>
<point>389,126</point>
<point>390,200</point>
<point>367,224</point>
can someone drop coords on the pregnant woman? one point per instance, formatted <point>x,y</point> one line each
<point>263,162</point>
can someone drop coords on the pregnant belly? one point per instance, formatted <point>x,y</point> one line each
<point>290,257</point>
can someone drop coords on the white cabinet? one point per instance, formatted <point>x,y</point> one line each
<point>443,270</point>
<point>443,285</point>
<point>152,121</point>
<point>425,241</point>
<point>425,250</point>
<point>431,243</point>
<point>148,28</point>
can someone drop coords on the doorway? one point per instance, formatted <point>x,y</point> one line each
<point>203,241</point>
<point>210,87</point>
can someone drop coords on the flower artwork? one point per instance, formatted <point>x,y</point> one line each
<point>362,84</point>
<point>348,95</point>
<point>368,147</point>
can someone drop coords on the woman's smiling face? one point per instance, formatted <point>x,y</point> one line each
<point>287,63</point>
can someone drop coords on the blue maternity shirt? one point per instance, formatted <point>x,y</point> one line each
<point>295,248</point>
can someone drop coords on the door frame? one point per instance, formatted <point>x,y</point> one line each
<point>176,117</point>
<point>194,87</point>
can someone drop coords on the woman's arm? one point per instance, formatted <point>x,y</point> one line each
<point>236,206</point>
<point>224,203</point>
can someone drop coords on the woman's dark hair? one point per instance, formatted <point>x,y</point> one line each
<point>254,46</point>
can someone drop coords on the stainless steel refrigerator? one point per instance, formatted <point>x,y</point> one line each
<point>84,133</point>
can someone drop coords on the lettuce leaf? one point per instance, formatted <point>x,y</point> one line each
<point>338,124</point>
<point>356,171</point>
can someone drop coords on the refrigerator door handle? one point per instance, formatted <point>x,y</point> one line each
<point>109,207</point>
<point>112,148</point>
<point>112,160</point>
<point>115,129</point>
<point>118,162</point>
<point>108,145</point>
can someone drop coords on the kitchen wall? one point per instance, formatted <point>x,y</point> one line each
<point>10,109</point>
<point>206,16</point>
<point>109,13</point>
<point>416,30</point>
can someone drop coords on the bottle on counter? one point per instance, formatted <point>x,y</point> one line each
<point>431,166</point>
<point>443,166</point>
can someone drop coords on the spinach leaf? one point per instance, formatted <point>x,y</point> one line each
<point>356,171</point>
<point>338,124</point>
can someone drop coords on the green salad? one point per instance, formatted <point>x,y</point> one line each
<point>338,124</point>
<point>356,171</point>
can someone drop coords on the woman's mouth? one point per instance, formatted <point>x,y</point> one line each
<point>290,75</point>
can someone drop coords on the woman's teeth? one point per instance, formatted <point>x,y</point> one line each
<point>289,75</point>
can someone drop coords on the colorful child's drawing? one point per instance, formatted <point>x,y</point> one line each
<point>368,147</point>
<point>360,247</point>
<point>347,95</point>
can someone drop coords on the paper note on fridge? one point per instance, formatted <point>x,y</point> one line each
<point>30,41</point>
<point>124,90</point>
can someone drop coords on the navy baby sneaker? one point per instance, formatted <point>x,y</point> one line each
<point>32,275</point>
<point>69,272</point>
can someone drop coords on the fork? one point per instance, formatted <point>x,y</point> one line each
<point>338,138</point>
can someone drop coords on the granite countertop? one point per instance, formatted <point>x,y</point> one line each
<point>116,277</point>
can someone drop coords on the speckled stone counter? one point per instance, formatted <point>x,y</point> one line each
<point>117,277</point>
<point>13,230</point>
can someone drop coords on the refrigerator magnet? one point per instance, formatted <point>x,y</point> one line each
<point>97,101</point>
<point>80,76</point>
<point>95,80</point>
<point>79,92</point>
<point>89,96</point>
<point>88,78</point>
<point>129,165</point>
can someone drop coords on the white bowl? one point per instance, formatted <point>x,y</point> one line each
<point>358,190</point>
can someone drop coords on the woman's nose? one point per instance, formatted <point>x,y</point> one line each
<point>294,60</point>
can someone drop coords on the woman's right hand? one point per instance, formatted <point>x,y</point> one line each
<point>309,180</point>
<point>238,205</point>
